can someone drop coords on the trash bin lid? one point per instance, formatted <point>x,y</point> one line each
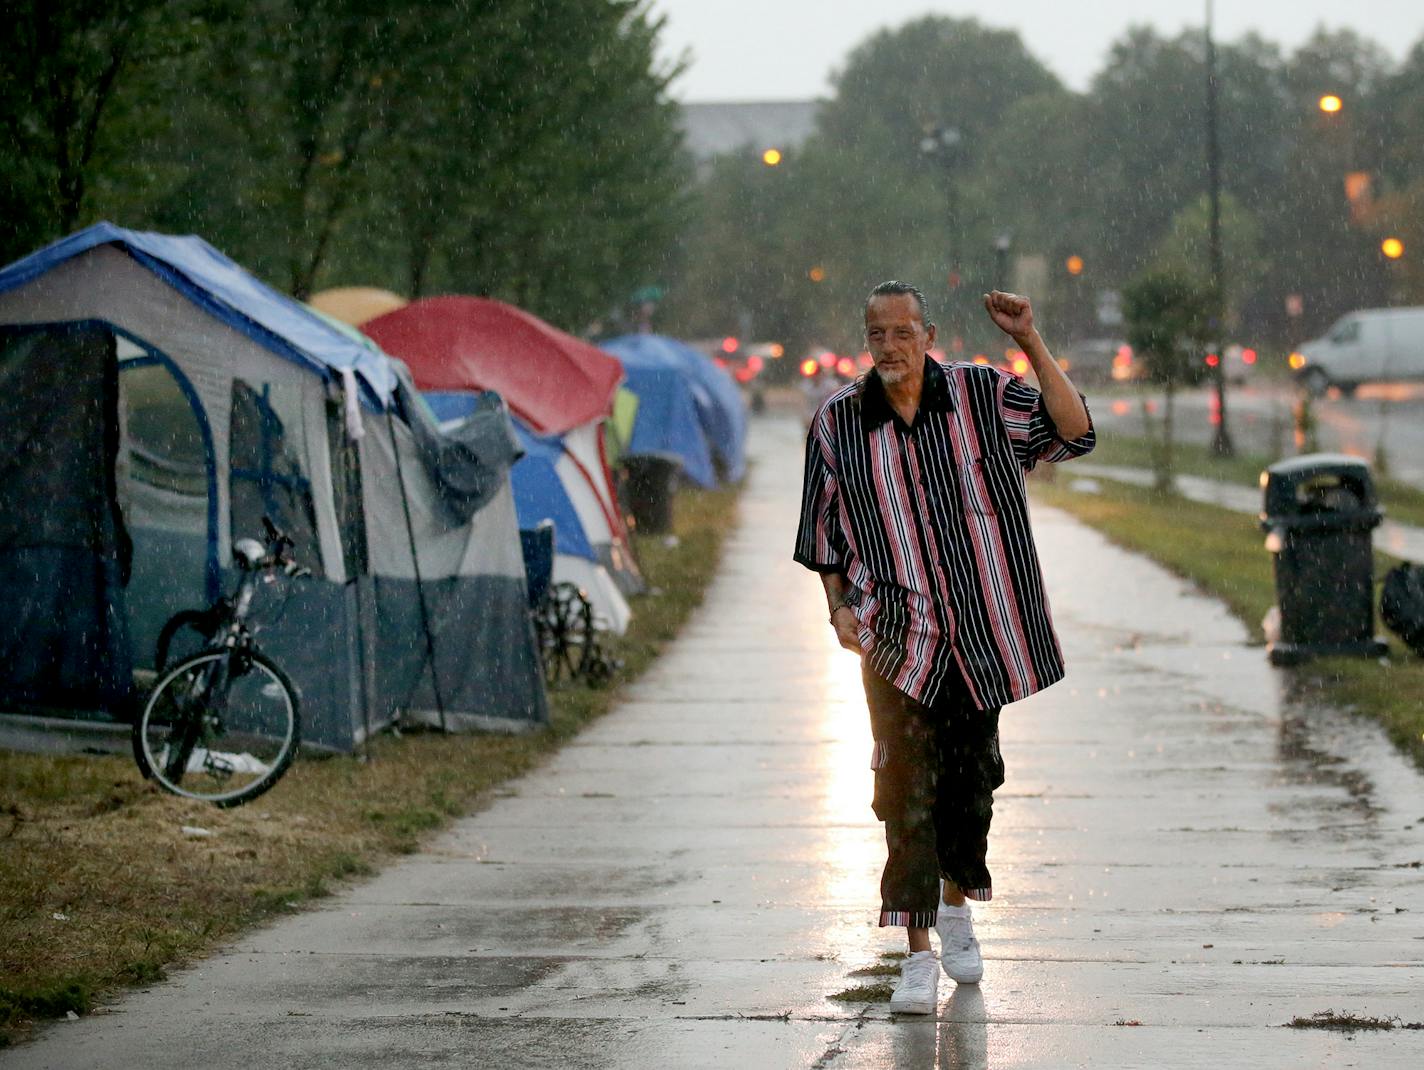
<point>1318,483</point>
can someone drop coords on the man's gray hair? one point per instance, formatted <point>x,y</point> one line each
<point>895,288</point>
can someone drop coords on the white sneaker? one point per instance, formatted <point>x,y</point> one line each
<point>958,947</point>
<point>918,990</point>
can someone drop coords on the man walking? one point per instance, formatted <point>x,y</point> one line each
<point>914,513</point>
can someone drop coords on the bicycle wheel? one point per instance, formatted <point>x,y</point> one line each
<point>186,633</point>
<point>567,632</point>
<point>219,726</point>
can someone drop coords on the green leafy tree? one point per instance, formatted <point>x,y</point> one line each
<point>1168,325</point>
<point>1319,249</point>
<point>298,103</point>
<point>67,66</point>
<point>1184,251</point>
<point>540,162</point>
<point>863,200</point>
<point>524,149</point>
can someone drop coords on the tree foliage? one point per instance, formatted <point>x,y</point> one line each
<point>66,62</point>
<point>524,149</point>
<point>1169,323</point>
<point>1168,318</point>
<point>1116,176</point>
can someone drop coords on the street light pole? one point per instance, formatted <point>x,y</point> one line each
<point>1221,443</point>
<point>943,144</point>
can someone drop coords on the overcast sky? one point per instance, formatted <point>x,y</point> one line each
<point>787,49</point>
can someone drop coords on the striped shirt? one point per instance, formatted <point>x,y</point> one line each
<point>929,524</point>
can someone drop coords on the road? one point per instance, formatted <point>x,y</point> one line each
<point>1261,420</point>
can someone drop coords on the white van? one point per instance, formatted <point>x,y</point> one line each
<point>1370,345</point>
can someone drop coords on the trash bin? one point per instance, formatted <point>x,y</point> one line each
<point>1318,513</point>
<point>651,484</point>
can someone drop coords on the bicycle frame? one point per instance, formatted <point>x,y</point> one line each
<point>205,705</point>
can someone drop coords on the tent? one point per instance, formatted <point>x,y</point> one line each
<point>553,382</point>
<point>539,480</point>
<point>667,423</point>
<point>159,400</point>
<point>721,411</point>
<point>356,304</point>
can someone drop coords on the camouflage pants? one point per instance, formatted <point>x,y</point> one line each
<point>935,774</point>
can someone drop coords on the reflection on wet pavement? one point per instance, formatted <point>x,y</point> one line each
<point>1187,855</point>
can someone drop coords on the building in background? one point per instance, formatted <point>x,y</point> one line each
<point>760,126</point>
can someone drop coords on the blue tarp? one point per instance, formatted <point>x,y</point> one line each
<point>721,411</point>
<point>539,493</point>
<point>227,292</point>
<point>667,424</point>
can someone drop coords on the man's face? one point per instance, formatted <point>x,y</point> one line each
<point>896,336</point>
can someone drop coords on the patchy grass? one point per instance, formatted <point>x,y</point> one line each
<point>1401,501</point>
<point>880,969</point>
<point>1345,1022</point>
<point>880,993</point>
<point>1222,553</point>
<point>100,888</point>
<point>1189,458</point>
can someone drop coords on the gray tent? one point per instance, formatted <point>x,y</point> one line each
<point>155,402</point>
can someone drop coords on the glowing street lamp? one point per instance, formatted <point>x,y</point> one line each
<point>1392,248</point>
<point>817,274</point>
<point>771,157</point>
<point>1074,264</point>
<point>1330,104</point>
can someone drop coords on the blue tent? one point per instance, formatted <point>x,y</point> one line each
<point>720,408</point>
<point>668,422</point>
<point>539,494</point>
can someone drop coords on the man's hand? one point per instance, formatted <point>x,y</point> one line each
<point>847,629</point>
<point>1011,313</point>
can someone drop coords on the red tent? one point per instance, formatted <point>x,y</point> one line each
<point>553,381</point>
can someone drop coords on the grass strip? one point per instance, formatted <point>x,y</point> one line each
<point>100,887</point>
<point>1401,501</point>
<point>1222,553</point>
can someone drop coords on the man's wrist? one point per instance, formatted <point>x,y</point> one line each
<point>1026,340</point>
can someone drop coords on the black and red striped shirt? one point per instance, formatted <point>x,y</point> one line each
<point>929,524</point>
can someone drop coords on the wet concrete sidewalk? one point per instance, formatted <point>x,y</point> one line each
<point>1185,861</point>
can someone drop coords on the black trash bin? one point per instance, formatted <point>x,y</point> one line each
<point>650,485</point>
<point>1318,513</point>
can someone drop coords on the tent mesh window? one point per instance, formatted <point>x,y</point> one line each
<point>163,445</point>
<point>265,477</point>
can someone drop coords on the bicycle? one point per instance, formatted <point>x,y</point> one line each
<point>222,725</point>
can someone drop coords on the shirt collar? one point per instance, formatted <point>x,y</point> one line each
<point>875,407</point>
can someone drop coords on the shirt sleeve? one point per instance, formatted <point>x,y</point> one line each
<point>1032,430</point>
<point>820,543</point>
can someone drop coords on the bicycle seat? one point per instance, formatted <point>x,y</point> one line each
<point>249,553</point>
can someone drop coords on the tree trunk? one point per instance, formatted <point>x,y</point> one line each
<point>1166,475</point>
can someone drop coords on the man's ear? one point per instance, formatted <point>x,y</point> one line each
<point>930,336</point>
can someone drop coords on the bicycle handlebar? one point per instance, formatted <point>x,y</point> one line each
<point>278,556</point>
